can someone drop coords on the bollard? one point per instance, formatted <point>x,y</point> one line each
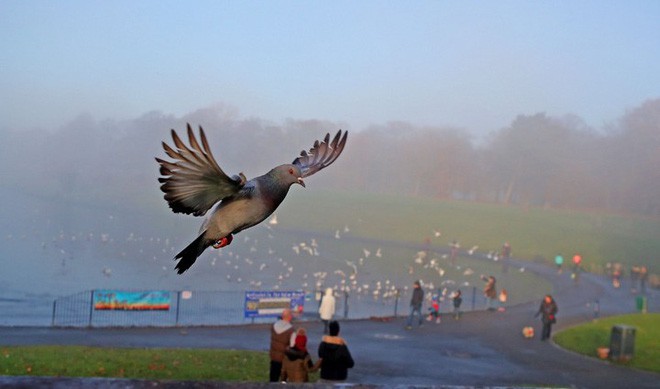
<point>596,309</point>
<point>54,311</point>
<point>91,308</point>
<point>396,303</point>
<point>641,304</point>
<point>178,304</point>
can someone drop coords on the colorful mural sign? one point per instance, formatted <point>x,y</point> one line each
<point>157,300</point>
<point>272,303</point>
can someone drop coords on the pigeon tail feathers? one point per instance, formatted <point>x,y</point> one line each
<point>189,255</point>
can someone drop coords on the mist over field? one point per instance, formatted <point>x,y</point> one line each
<point>537,160</point>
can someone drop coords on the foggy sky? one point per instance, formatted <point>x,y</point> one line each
<point>469,65</point>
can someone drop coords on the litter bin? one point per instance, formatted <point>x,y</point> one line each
<point>640,302</point>
<point>622,342</point>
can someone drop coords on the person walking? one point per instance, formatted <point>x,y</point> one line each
<point>457,299</point>
<point>453,252</point>
<point>490,292</point>
<point>506,256</point>
<point>434,310</point>
<point>281,337</point>
<point>327,309</point>
<point>617,274</point>
<point>547,310</point>
<point>416,304</point>
<point>335,358</point>
<point>297,363</point>
<point>643,278</point>
<point>577,264</point>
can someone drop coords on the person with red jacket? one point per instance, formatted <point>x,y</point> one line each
<point>577,262</point>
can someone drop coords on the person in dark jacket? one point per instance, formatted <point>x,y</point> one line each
<point>416,304</point>
<point>547,310</point>
<point>334,355</point>
<point>457,299</point>
<point>297,363</point>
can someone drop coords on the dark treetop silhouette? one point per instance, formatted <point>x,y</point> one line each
<point>194,183</point>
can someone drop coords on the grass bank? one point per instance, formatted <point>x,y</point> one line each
<point>586,338</point>
<point>176,364</point>
<point>532,232</point>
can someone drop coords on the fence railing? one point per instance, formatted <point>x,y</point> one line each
<point>209,308</point>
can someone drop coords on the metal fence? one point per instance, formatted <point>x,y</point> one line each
<point>201,308</point>
<point>209,308</point>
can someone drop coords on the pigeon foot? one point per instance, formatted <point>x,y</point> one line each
<point>223,242</point>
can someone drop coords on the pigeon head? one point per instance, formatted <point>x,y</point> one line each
<point>288,175</point>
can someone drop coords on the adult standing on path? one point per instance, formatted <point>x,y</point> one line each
<point>453,252</point>
<point>327,309</point>
<point>416,304</point>
<point>490,292</point>
<point>506,256</point>
<point>577,263</point>
<point>334,355</point>
<point>457,299</point>
<point>547,310</point>
<point>281,336</point>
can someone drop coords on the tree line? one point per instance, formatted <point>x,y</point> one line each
<point>537,160</point>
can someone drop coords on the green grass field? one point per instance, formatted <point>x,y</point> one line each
<point>177,364</point>
<point>532,232</point>
<point>586,338</point>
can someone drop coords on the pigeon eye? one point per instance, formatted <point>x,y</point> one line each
<point>291,171</point>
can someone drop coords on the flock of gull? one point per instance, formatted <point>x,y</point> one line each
<point>270,259</point>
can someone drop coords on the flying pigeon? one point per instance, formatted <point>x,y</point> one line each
<point>193,183</point>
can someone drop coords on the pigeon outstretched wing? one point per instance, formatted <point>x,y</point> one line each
<point>322,154</point>
<point>194,182</point>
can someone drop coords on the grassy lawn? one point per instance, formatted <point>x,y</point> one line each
<point>584,339</point>
<point>178,364</point>
<point>533,232</point>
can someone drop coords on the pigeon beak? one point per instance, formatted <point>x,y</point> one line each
<point>301,182</point>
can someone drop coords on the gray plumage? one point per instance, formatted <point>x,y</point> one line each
<point>194,183</point>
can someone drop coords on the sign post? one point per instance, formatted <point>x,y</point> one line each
<point>272,303</point>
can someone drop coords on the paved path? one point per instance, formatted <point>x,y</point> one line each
<point>482,349</point>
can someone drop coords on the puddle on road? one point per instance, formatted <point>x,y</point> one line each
<point>388,336</point>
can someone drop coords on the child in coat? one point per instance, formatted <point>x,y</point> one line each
<point>434,310</point>
<point>297,363</point>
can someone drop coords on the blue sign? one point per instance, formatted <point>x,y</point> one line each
<point>156,300</point>
<point>272,303</point>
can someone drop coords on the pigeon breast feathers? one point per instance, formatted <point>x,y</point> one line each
<point>193,182</point>
<point>322,154</point>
